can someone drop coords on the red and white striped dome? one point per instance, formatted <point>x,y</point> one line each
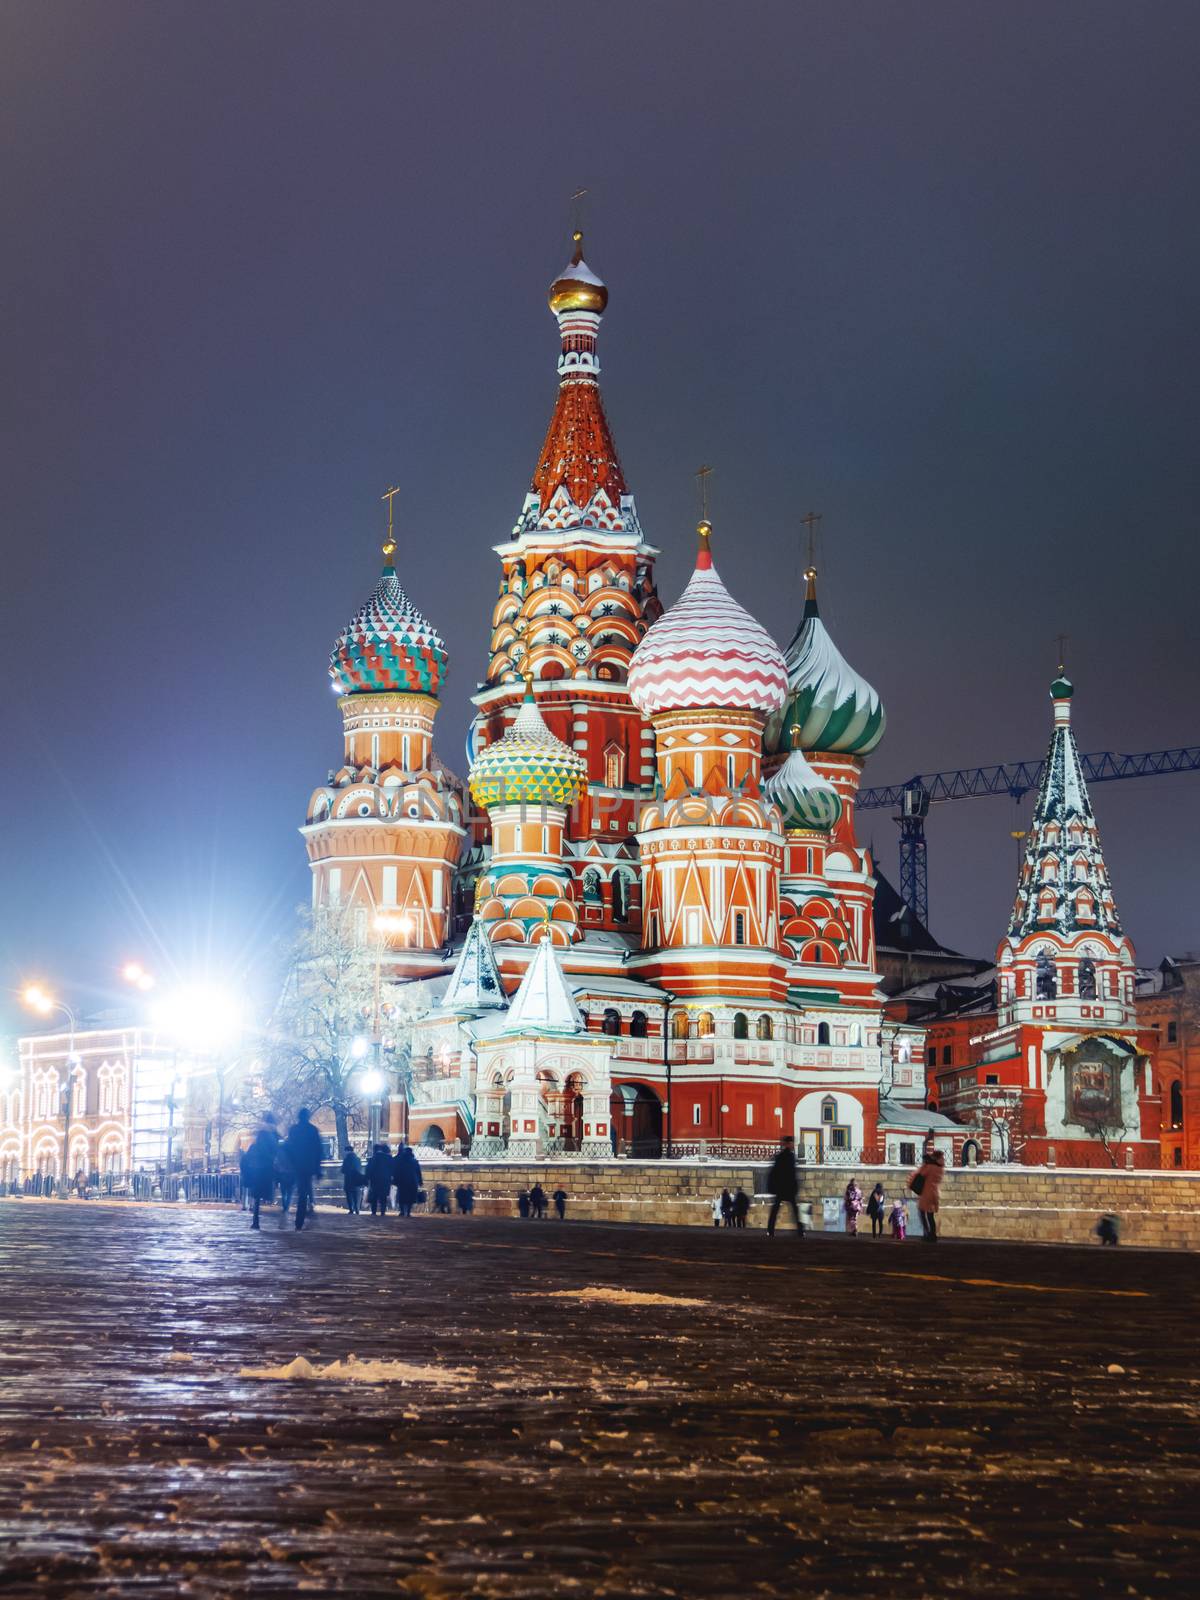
<point>707,651</point>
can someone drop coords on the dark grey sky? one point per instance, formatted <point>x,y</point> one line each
<point>929,268</point>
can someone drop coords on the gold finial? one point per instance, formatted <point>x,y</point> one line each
<point>577,200</point>
<point>795,731</point>
<point>527,674</point>
<point>389,546</point>
<point>1062,641</point>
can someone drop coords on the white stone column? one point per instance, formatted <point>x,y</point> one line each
<point>524,1108</point>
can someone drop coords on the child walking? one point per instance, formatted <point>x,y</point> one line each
<point>898,1218</point>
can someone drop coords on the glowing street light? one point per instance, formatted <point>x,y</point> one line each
<point>395,922</point>
<point>372,1082</point>
<point>201,1016</point>
<point>359,1047</point>
<point>135,973</point>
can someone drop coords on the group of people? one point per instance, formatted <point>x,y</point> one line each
<point>382,1173</point>
<point>534,1203</point>
<point>292,1162</point>
<point>876,1208</point>
<point>730,1210</point>
<point>783,1185</point>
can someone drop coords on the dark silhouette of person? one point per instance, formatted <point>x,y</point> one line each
<point>260,1164</point>
<point>537,1199</point>
<point>303,1150</point>
<point>560,1204</point>
<point>523,1203</point>
<point>441,1198</point>
<point>352,1181</point>
<point>406,1175</point>
<point>379,1179</point>
<point>783,1184</point>
<point>741,1208</point>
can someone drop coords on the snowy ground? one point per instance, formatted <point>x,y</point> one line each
<point>461,1407</point>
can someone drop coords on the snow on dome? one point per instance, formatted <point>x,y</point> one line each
<point>388,647</point>
<point>529,766</point>
<point>578,288</point>
<point>806,799</point>
<point>834,707</point>
<point>707,651</point>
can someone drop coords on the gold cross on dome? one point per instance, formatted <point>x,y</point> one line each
<point>389,548</point>
<point>703,474</point>
<point>1062,641</point>
<point>577,200</point>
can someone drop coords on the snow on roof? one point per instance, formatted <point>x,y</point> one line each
<point>544,1002</point>
<point>894,1115</point>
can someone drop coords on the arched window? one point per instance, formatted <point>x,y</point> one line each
<point>765,1030</point>
<point>739,928</point>
<point>1047,979</point>
<point>822,1033</point>
<point>637,1025</point>
<point>611,1022</point>
<point>620,897</point>
<point>1177,1104</point>
<point>1087,979</point>
<point>614,767</point>
<point>591,884</point>
<point>741,1027</point>
<point>679,1024</point>
<point>704,1025</point>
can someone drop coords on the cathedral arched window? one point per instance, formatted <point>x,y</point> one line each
<point>705,1025</point>
<point>637,1025</point>
<point>1047,978</point>
<point>611,1023</point>
<point>1085,905</point>
<point>739,928</point>
<point>591,884</point>
<point>620,897</point>
<point>679,1025</point>
<point>822,1033</point>
<point>1087,979</point>
<point>1177,1104</point>
<point>765,1031</point>
<point>614,766</point>
<point>741,1025</point>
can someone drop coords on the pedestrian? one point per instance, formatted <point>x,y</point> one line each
<point>523,1203</point>
<point>406,1175</point>
<point>783,1184</point>
<point>926,1184</point>
<point>352,1181</point>
<point>460,1199</point>
<point>537,1201</point>
<point>259,1167</point>
<point>560,1204</point>
<point>718,1207</point>
<point>898,1217</point>
<point>285,1172</point>
<point>1108,1229</point>
<point>441,1198</point>
<point>741,1208</point>
<point>877,1210</point>
<point>726,1209</point>
<point>246,1178</point>
<point>379,1179</point>
<point>852,1204</point>
<point>303,1148</point>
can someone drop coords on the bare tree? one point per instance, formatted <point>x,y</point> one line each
<point>334,994</point>
<point>1105,1125</point>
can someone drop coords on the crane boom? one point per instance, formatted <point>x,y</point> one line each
<point>912,800</point>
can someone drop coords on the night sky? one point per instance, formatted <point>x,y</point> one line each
<point>928,269</point>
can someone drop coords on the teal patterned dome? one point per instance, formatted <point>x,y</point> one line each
<point>835,708</point>
<point>806,799</point>
<point>389,647</point>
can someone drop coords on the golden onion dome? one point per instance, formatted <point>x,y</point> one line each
<point>578,288</point>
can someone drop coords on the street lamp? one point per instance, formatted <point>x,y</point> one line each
<point>204,1017</point>
<point>372,1082</point>
<point>38,998</point>
<point>135,973</point>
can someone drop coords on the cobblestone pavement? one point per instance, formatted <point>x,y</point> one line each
<point>838,1417</point>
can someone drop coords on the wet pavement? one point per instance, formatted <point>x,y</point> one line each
<point>837,1418</point>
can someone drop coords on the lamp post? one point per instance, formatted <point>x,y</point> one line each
<point>668,1001</point>
<point>39,999</point>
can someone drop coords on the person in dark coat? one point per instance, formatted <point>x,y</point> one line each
<point>523,1203</point>
<point>877,1210</point>
<point>741,1208</point>
<point>379,1179</point>
<point>352,1181</point>
<point>783,1184</point>
<point>260,1164</point>
<point>726,1208</point>
<point>246,1175</point>
<point>406,1175</point>
<point>560,1204</point>
<point>469,1207</point>
<point>303,1149</point>
<point>441,1198</point>
<point>537,1199</point>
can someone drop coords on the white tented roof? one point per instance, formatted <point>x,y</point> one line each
<point>544,1002</point>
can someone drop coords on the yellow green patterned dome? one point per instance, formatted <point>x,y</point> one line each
<point>529,766</point>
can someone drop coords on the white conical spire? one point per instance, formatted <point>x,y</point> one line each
<point>544,1003</point>
<point>475,983</point>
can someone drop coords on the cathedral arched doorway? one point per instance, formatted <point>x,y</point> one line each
<point>636,1116</point>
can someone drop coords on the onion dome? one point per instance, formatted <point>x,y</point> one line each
<point>388,647</point>
<point>834,707</point>
<point>707,652</point>
<point>578,288</point>
<point>806,799</point>
<point>528,766</point>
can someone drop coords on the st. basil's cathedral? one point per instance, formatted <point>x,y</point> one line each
<point>646,925</point>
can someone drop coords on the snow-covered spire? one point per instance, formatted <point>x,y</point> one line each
<point>475,982</point>
<point>1063,887</point>
<point>544,1003</point>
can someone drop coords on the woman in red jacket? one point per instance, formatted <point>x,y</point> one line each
<point>927,1186</point>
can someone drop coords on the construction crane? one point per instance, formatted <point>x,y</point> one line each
<point>912,800</point>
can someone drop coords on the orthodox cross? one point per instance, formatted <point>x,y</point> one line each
<point>577,200</point>
<point>389,548</point>
<point>703,474</point>
<point>812,522</point>
<point>1062,651</point>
